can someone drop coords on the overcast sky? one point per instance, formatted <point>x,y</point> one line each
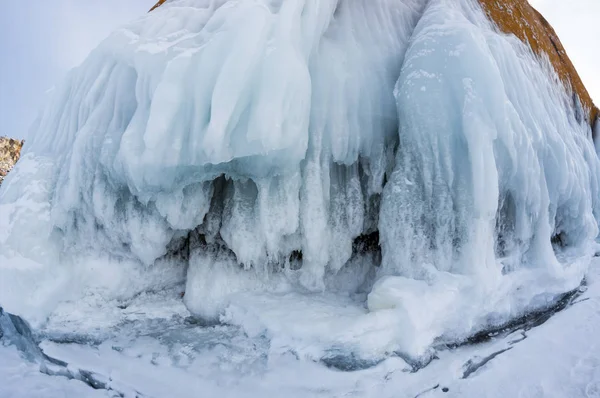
<point>40,40</point>
<point>577,23</point>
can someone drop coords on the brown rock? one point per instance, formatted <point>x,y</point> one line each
<point>10,151</point>
<point>160,2</point>
<point>521,19</point>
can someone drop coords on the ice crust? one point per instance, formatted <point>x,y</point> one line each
<point>210,142</point>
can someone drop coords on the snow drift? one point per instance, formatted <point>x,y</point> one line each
<point>370,174</point>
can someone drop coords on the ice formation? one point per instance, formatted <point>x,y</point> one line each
<point>264,151</point>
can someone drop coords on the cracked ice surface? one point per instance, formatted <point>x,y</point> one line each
<point>164,357</point>
<point>257,130</point>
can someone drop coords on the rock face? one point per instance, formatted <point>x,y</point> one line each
<point>160,2</point>
<point>521,19</point>
<point>518,17</point>
<point>10,150</point>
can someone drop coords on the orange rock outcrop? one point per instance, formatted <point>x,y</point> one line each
<point>521,19</point>
<point>10,151</point>
<point>160,2</point>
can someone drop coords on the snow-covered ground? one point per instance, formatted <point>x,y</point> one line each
<point>144,351</point>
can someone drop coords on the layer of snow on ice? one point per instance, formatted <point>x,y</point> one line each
<point>161,357</point>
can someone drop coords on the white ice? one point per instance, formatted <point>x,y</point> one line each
<point>257,130</point>
<point>155,355</point>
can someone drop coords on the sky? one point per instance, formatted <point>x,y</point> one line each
<point>577,23</point>
<point>40,40</point>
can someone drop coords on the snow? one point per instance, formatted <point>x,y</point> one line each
<point>162,356</point>
<point>239,150</point>
<point>23,379</point>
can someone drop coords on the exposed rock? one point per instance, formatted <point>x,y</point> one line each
<point>160,2</point>
<point>521,19</point>
<point>10,150</point>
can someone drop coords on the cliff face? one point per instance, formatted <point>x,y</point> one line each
<point>10,150</point>
<point>518,17</point>
<point>160,2</point>
<point>521,19</point>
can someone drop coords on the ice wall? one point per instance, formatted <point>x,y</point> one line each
<point>255,146</point>
<point>495,176</point>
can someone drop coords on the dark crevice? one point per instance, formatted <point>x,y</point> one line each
<point>580,301</point>
<point>363,244</point>
<point>367,243</point>
<point>559,239</point>
<point>472,366</point>
<point>518,340</point>
<point>428,390</point>
<point>295,260</point>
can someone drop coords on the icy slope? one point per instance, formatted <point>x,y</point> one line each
<point>160,356</point>
<point>262,152</point>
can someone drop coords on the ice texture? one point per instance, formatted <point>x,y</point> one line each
<point>15,331</point>
<point>255,150</point>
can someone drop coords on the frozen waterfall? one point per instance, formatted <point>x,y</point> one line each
<point>372,174</point>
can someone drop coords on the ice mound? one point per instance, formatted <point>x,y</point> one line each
<point>399,157</point>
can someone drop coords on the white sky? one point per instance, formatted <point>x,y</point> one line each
<point>577,23</point>
<point>40,40</point>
